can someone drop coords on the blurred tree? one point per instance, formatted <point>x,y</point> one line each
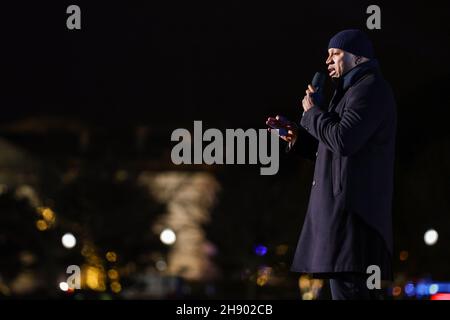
<point>106,210</point>
<point>27,255</point>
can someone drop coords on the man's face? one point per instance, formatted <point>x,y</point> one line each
<point>339,62</point>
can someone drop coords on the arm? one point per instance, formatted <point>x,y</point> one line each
<point>345,136</point>
<point>305,145</point>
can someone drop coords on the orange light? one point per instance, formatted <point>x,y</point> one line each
<point>113,274</point>
<point>116,287</point>
<point>41,225</point>
<point>111,256</point>
<point>404,255</point>
<point>48,215</point>
<point>396,291</point>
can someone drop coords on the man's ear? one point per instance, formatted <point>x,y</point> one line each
<point>358,60</point>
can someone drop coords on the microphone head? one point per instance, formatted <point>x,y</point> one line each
<point>319,80</point>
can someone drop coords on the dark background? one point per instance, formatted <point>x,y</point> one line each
<point>160,66</point>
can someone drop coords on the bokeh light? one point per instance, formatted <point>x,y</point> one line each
<point>68,240</point>
<point>431,237</point>
<point>168,237</point>
<point>63,286</point>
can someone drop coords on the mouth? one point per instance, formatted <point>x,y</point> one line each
<point>331,72</point>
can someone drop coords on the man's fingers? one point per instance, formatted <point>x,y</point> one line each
<point>286,138</point>
<point>311,89</point>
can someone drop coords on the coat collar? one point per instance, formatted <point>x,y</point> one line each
<point>356,73</point>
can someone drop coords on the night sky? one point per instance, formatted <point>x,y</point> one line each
<point>222,62</point>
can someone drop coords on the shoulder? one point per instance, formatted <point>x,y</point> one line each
<point>371,86</point>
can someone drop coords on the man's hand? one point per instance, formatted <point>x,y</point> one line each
<point>308,101</point>
<point>281,123</point>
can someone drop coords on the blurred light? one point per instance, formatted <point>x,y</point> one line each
<point>425,288</point>
<point>281,249</point>
<point>168,237</point>
<point>316,284</point>
<point>41,225</point>
<point>396,291</point>
<point>95,278</point>
<point>441,296</point>
<point>68,240</point>
<point>263,275</point>
<point>431,237</point>
<point>404,255</point>
<point>161,265</point>
<point>307,296</point>
<point>111,256</point>
<point>63,286</point>
<point>113,274</point>
<point>262,280</point>
<point>304,282</point>
<point>422,289</point>
<point>48,215</point>
<point>116,287</point>
<point>444,287</point>
<point>27,258</point>
<point>434,288</point>
<point>410,290</point>
<point>87,251</point>
<point>260,250</point>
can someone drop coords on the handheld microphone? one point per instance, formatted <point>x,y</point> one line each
<point>318,83</point>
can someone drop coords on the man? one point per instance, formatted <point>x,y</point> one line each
<point>348,225</point>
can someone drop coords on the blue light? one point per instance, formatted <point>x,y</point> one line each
<point>260,250</point>
<point>425,288</point>
<point>422,289</point>
<point>443,287</point>
<point>410,290</point>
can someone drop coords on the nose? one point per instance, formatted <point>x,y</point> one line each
<point>328,61</point>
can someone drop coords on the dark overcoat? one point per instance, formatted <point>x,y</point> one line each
<point>348,224</point>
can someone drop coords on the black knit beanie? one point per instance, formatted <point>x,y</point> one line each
<point>353,41</point>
